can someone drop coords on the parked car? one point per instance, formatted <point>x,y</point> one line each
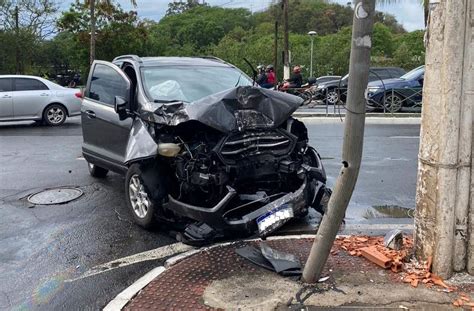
<point>35,98</point>
<point>394,94</point>
<point>335,90</point>
<point>323,79</point>
<point>199,145</point>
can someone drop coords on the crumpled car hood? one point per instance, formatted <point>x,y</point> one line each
<point>235,109</point>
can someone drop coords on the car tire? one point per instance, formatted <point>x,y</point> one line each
<point>332,96</point>
<point>324,203</point>
<point>97,171</point>
<point>393,102</point>
<point>139,198</point>
<point>54,115</point>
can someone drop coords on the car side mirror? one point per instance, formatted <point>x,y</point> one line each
<point>120,106</point>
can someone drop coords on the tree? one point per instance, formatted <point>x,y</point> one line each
<point>92,5</point>
<point>23,24</point>
<point>179,7</point>
<point>118,32</point>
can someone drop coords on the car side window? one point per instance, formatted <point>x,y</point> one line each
<point>105,84</point>
<point>5,85</point>
<point>396,73</point>
<point>27,84</point>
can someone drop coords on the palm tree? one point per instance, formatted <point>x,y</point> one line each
<point>425,4</point>
<point>92,5</point>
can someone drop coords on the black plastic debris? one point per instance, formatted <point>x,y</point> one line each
<point>199,234</point>
<point>266,257</point>
<point>393,239</point>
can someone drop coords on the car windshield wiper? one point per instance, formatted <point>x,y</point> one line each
<point>168,101</point>
<point>238,81</point>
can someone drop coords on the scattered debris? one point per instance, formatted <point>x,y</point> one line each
<point>323,279</point>
<point>394,252</point>
<point>373,249</point>
<point>394,239</point>
<point>266,257</point>
<point>372,254</point>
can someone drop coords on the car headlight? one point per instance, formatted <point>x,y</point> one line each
<point>168,149</point>
<point>374,89</point>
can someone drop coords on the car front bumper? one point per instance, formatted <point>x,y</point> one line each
<point>298,200</point>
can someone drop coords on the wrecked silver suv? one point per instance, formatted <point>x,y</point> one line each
<point>199,145</point>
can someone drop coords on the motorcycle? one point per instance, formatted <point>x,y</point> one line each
<point>307,91</point>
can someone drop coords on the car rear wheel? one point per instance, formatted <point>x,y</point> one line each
<point>139,199</point>
<point>54,115</point>
<point>97,171</point>
<point>393,103</point>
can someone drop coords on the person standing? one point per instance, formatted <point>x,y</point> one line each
<point>271,78</point>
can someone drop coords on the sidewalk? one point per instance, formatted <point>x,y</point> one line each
<point>217,278</point>
<point>338,112</point>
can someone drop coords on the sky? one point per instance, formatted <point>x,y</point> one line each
<point>408,12</point>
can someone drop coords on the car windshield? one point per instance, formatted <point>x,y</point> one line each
<point>189,83</point>
<point>414,74</point>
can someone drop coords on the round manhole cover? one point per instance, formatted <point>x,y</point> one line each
<point>55,196</point>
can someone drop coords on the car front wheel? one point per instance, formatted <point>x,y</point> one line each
<point>332,96</point>
<point>138,197</point>
<point>393,103</point>
<point>54,115</point>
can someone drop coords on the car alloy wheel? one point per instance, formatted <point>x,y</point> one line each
<point>55,115</point>
<point>138,197</point>
<point>393,103</point>
<point>332,97</point>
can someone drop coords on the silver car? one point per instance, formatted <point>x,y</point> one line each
<point>35,98</point>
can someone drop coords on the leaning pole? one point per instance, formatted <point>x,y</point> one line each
<point>353,140</point>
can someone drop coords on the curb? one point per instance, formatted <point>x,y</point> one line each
<point>368,115</point>
<point>127,294</point>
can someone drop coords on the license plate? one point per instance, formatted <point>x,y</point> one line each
<point>274,218</point>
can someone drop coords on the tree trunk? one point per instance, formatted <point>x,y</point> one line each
<point>353,140</point>
<point>92,26</point>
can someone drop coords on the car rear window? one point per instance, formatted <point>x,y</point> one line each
<point>5,85</point>
<point>105,84</point>
<point>26,84</point>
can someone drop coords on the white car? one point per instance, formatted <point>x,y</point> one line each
<point>34,98</point>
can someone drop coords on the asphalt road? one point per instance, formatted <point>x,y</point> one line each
<point>45,250</point>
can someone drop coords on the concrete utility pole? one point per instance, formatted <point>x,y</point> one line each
<point>93,27</point>
<point>363,22</point>
<point>17,45</point>
<point>312,34</point>
<point>275,53</point>
<point>286,49</point>
<point>444,219</point>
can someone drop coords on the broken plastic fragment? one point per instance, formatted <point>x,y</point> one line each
<point>394,239</point>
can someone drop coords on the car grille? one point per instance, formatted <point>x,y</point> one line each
<point>252,143</point>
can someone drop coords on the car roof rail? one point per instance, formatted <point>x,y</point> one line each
<point>214,58</point>
<point>132,56</point>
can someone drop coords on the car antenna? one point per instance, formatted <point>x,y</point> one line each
<point>253,71</point>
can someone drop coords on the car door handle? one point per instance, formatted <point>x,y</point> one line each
<point>6,96</point>
<point>90,114</point>
<point>44,94</point>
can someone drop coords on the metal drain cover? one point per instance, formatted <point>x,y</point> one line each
<point>55,196</point>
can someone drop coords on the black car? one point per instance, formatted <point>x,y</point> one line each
<point>336,90</point>
<point>199,145</point>
<point>395,94</point>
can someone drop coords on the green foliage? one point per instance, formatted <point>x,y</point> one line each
<point>191,29</point>
<point>179,7</point>
<point>410,51</point>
